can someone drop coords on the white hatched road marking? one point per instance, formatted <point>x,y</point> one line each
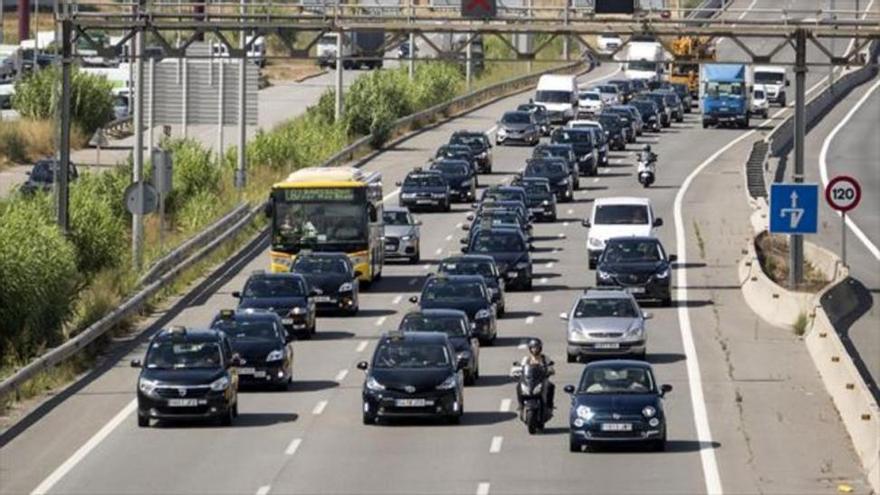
<point>483,488</point>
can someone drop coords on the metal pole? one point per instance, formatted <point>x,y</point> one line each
<point>24,21</point>
<point>468,70</point>
<point>529,39</point>
<point>565,39</point>
<point>137,221</point>
<point>184,101</point>
<point>843,236</point>
<point>61,186</point>
<point>220,115</point>
<point>152,92</point>
<point>36,33</point>
<point>339,63</point>
<point>1,20</point>
<point>796,248</point>
<point>240,177</point>
<point>833,51</point>
<point>412,56</point>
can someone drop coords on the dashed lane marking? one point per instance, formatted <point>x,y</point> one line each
<point>537,299</point>
<point>319,407</point>
<point>595,179</point>
<point>505,405</point>
<point>530,320</point>
<point>380,321</point>
<point>263,490</point>
<point>397,300</point>
<point>362,345</point>
<point>294,444</point>
<point>549,265</point>
<point>483,488</point>
<point>341,375</point>
<point>543,281</point>
<point>438,251</point>
<point>495,447</point>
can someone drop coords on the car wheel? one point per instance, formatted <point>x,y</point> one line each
<point>705,125</point>
<point>307,335</point>
<point>528,285</point>
<point>659,445</point>
<point>447,207</point>
<point>416,258</point>
<point>470,378</point>
<point>454,419</point>
<point>573,444</point>
<point>553,218</point>
<point>369,419</point>
<point>577,184</point>
<point>226,419</point>
<point>571,358</point>
<point>666,302</point>
<point>592,264</point>
<point>143,421</point>
<point>235,407</point>
<point>642,356</point>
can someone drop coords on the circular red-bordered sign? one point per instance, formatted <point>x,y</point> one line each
<point>843,193</point>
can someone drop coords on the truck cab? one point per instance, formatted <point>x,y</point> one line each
<point>774,80</point>
<point>726,95</point>
<point>559,95</point>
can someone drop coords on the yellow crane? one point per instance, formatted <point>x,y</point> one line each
<point>689,52</point>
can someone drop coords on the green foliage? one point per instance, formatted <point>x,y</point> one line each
<point>434,84</point>
<point>377,94</point>
<point>307,140</point>
<point>91,97</point>
<point>199,210</point>
<point>194,172</point>
<point>97,230</point>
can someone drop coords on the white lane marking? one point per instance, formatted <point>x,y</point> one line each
<point>536,299</point>
<point>413,281</point>
<point>561,235</point>
<point>86,448</point>
<point>483,488</point>
<point>530,320</point>
<point>361,346</point>
<point>595,179</point>
<point>492,129</point>
<point>458,226</point>
<point>341,375</point>
<point>823,168</point>
<point>380,321</point>
<point>565,224</point>
<point>570,211</point>
<point>426,267</point>
<point>263,490</point>
<point>391,195</point>
<point>397,300</point>
<point>543,280</point>
<point>319,407</point>
<point>294,444</point>
<point>747,10</point>
<point>438,251</point>
<point>495,447</point>
<point>549,265</point>
<point>505,405</point>
<point>449,238</point>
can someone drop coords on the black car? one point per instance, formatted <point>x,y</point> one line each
<point>423,189</point>
<point>188,374</point>
<point>615,130</point>
<point>490,203</point>
<point>455,324</point>
<point>504,193</point>
<point>511,252</point>
<point>518,126</point>
<point>467,293</point>
<point>554,170</point>
<point>458,152</point>
<point>287,294</point>
<point>460,177</point>
<point>332,279</point>
<point>42,176</point>
<point>413,374</point>
<point>542,118</point>
<point>584,145</point>
<point>670,97</point>
<point>479,144</point>
<point>625,86</point>
<point>497,218</point>
<point>565,152</point>
<point>540,198</point>
<point>264,348</point>
<point>638,264</point>
<point>632,113</point>
<point>638,86</point>
<point>663,108</point>
<point>684,94</point>
<point>484,266</point>
<point>617,401</point>
<point>650,112</point>
<point>629,123</point>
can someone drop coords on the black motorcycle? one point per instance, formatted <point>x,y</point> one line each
<point>532,391</point>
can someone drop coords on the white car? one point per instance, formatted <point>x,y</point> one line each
<point>760,103</point>
<point>590,102</point>
<point>609,42</point>
<point>618,217</point>
<point>609,92</point>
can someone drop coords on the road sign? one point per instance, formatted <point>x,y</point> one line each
<point>843,193</point>
<point>141,198</point>
<point>478,9</point>
<point>615,6</point>
<point>794,208</point>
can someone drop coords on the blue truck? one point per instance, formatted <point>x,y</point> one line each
<point>725,94</point>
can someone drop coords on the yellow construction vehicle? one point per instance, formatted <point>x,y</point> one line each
<point>689,52</point>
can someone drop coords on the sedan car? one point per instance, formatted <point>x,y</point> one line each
<point>265,350</point>
<point>542,118</point>
<point>42,176</point>
<point>638,264</point>
<point>424,189</point>
<point>650,113</point>
<point>479,144</point>
<point>457,327</point>
<point>554,170</point>
<point>332,279</point>
<point>518,126</point>
<point>616,131</point>
<point>540,198</point>
<point>467,293</point>
<point>402,234</point>
<point>590,103</point>
<point>287,294</point>
<point>617,401</point>
<point>605,322</point>
<point>564,151</point>
<point>461,178</point>
<point>484,266</point>
<point>413,374</point>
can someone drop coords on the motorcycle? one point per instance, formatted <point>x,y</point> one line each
<point>532,389</point>
<point>646,169</point>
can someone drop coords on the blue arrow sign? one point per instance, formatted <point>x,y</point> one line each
<point>794,208</point>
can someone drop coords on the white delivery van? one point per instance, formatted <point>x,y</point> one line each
<point>774,80</point>
<point>559,95</point>
<point>645,60</point>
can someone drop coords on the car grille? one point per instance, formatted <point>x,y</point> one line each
<point>174,393</point>
<point>632,279</point>
<point>606,335</point>
<point>391,243</point>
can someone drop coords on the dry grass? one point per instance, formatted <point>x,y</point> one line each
<point>24,141</point>
<point>44,22</point>
<point>295,70</point>
<point>773,254</point>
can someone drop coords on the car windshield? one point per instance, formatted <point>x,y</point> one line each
<point>617,380</point>
<point>42,172</point>
<point>769,77</point>
<point>424,181</point>
<point>502,195</point>
<point>644,107</point>
<point>447,290</point>
<point>574,137</point>
<point>320,223</point>
<point>467,139</point>
<point>499,217</point>
<point>759,95</point>
<point>248,329</point>
<point>545,168</point>
<point>530,108</point>
<point>629,251</point>
<point>454,326</point>
<point>553,96</point>
<point>320,265</point>
<point>498,242</point>
<point>609,121</point>
<point>405,355</point>
<point>451,168</point>
<point>395,217</point>
<point>607,88</point>
<point>590,96</point>
<point>605,308</point>
<point>183,355</point>
<point>553,151</point>
<point>724,89</point>
<point>289,286</point>
<point>467,267</point>
<point>621,215</point>
<point>642,65</point>
<point>516,118</point>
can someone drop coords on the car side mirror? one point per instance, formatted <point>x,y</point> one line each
<point>569,389</point>
<point>563,316</point>
<point>586,223</point>
<point>787,83</point>
<point>363,366</point>
<point>673,257</point>
<point>417,222</point>
<point>235,361</point>
<point>398,183</point>
<point>315,292</point>
<point>461,363</point>
<point>414,299</point>
<point>647,316</point>
<point>470,216</point>
<point>136,363</point>
<point>658,222</point>
<point>236,294</point>
<point>531,248</point>
<point>464,249</point>
<point>463,240</point>
<point>665,389</point>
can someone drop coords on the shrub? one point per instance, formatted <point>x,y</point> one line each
<point>378,91</point>
<point>434,84</point>
<point>199,210</point>
<point>91,98</point>
<point>194,172</point>
<point>12,144</point>
<point>97,231</point>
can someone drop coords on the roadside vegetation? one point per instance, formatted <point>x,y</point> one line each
<point>773,253</point>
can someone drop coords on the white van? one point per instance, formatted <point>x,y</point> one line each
<point>645,60</point>
<point>774,80</point>
<point>559,94</point>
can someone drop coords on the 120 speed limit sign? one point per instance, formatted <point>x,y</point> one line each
<point>843,193</point>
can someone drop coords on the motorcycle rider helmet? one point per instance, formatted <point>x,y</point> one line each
<point>535,346</point>
<point>647,148</point>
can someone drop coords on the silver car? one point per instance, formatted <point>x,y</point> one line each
<point>605,322</point>
<point>402,234</point>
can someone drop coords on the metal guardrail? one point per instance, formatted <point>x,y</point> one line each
<point>119,127</point>
<point>755,166</point>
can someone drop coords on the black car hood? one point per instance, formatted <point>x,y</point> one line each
<point>624,404</point>
<point>254,349</point>
<point>421,379</point>
<point>425,189</point>
<point>280,305</point>
<point>641,268</point>
<point>195,376</point>
<point>470,307</point>
<point>328,283</point>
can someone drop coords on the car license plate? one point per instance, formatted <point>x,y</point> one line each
<point>536,210</point>
<point>246,371</point>
<point>287,321</point>
<point>511,274</point>
<point>259,374</point>
<point>637,290</point>
<point>183,402</point>
<point>411,403</point>
<point>424,201</point>
<point>322,299</point>
<point>389,247</point>
<point>608,345</point>
<point>617,427</point>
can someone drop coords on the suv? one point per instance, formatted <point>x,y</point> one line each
<point>188,374</point>
<point>460,176</point>
<point>564,151</point>
<point>639,264</point>
<point>467,293</point>
<point>457,327</point>
<point>479,144</point>
<point>332,280</point>
<point>510,249</point>
<point>605,322</point>
<point>402,234</point>
<point>425,189</point>
<point>258,337</point>
<point>42,176</point>
<point>618,217</point>
<point>287,294</point>
<point>616,130</point>
<point>556,171</point>
<point>590,103</point>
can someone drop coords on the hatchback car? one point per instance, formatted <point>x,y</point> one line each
<point>457,327</point>
<point>467,293</point>
<point>605,322</point>
<point>287,294</point>
<point>332,280</point>
<point>402,234</point>
<point>413,374</point>
<point>617,401</point>
<point>425,189</point>
<point>265,350</point>
<point>638,264</point>
<point>484,266</point>
<point>616,130</point>
<point>479,143</point>
<point>518,126</point>
<point>461,178</point>
<point>564,151</point>
<point>554,170</point>
<point>511,252</point>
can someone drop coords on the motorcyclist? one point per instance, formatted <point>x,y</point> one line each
<point>647,159</point>
<point>536,356</point>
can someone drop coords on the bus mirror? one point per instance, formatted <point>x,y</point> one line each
<point>269,209</point>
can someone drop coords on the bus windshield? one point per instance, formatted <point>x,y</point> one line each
<point>320,223</point>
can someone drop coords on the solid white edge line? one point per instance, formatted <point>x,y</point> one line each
<point>483,488</point>
<point>391,195</point>
<point>263,490</point>
<point>319,407</point>
<point>495,447</point>
<point>823,168</point>
<point>294,445</point>
<point>85,449</point>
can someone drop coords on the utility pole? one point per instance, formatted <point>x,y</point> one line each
<point>339,63</point>
<point>240,173</point>
<point>62,191</point>
<point>137,220</point>
<point>412,44</point>
<point>24,20</point>
<point>833,50</point>
<point>796,244</point>
<point>565,39</point>
<point>468,69</point>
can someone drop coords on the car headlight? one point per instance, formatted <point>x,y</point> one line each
<point>603,275</point>
<point>545,203</point>
<point>346,287</point>
<point>147,386</point>
<point>635,330</point>
<point>649,411</point>
<point>466,183</point>
<point>664,273</point>
<point>463,355</point>
<point>595,242</point>
<point>284,261</point>
<point>483,314</point>
<point>522,265</point>
<point>406,238</point>
<point>276,355</point>
<point>585,413</point>
<point>502,131</point>
<point>298,311</point>
<point>372,384</point>
<point>220,384</point>
<point>492,291</point>
<point>563,182</point>
<point>483,155</point>
<point>448,383</point>
<point>654,422</point>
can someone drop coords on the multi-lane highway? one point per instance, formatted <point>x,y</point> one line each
<point>748,413</point>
